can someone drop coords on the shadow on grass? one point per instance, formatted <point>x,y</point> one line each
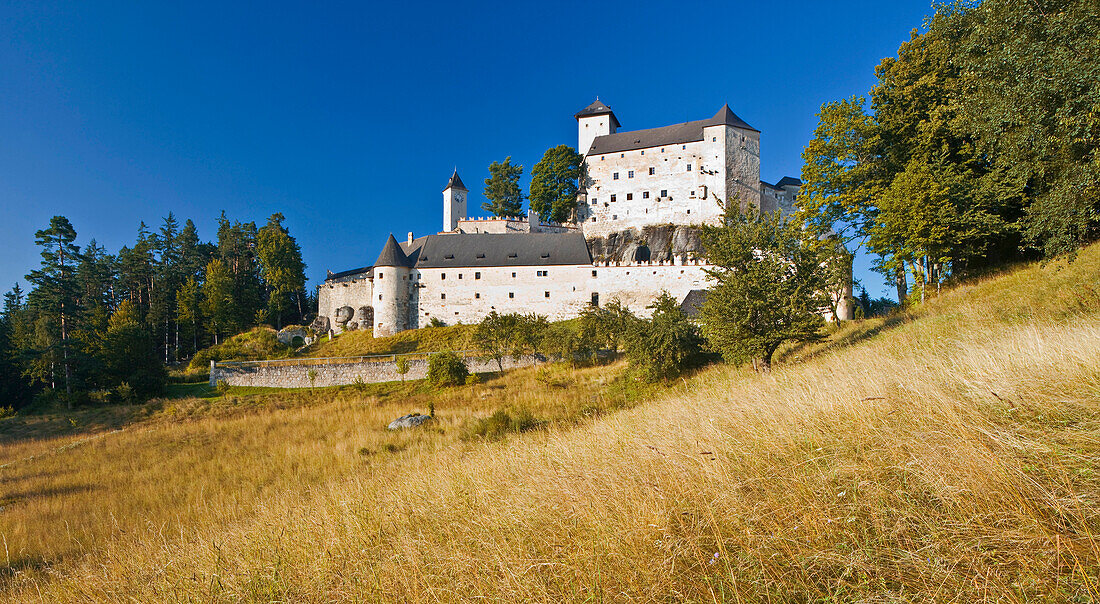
<point>859,333</point>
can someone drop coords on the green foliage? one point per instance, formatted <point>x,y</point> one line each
<point>511,334</point>
<point>607,327</point>
<point>256,344</point>
<point>55,298</point>
<point>768,287</point>
<point>502,422</point>
<point>661,347</point>
<point>401,366</point>
<point>218,303</point>
<point>554,184</point>
<point>281,268</point>
<point>128,356</point>
<point>502,189</point>
<point>446,369</point>
<point>222,387</point>
<point>436,322</point>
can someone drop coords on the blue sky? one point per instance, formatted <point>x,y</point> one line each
<point>349,117</point>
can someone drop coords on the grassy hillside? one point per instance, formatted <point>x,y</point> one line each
<point>363,343</point>
<point>952,453</point>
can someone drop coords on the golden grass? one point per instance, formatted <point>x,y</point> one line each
<point>948,455</point>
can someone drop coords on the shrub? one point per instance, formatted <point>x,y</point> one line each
<point>436,322</point>
<point>663,346</point>
<point>473,379</point>
<point>223,387</point>
<point>502,422</point>
<point>446,369</point>
<point>125,393</point>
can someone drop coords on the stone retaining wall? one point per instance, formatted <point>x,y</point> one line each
<point>278,375</point>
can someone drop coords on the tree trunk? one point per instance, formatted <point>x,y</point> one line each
<point>902,285</point>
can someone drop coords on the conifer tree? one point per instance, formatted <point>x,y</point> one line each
<point>281,267</point>
<point>56,295</point>
<point>218,303</point>
<point>502,189</point>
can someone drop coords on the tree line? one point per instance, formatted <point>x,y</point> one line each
<point>553,190</point>
<point>977,146</point>
<point>107,325</point>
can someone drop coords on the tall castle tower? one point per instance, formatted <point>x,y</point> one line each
<point>594,120</point>
<point>454,202</point>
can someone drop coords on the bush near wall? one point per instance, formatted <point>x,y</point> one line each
<point>447,369</point>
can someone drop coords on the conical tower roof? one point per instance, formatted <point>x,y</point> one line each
<point>455,183</point>
<point>391,254</point>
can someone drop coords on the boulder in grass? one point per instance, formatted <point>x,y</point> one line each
<point>408,421</point>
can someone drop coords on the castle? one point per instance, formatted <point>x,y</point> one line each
<point>635,234</point>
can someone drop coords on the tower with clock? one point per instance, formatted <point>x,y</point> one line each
<point>454,202</point>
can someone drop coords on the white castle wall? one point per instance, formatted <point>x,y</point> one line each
<point>355,294</point>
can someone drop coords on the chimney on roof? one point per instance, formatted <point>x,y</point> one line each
<point>410,237</point>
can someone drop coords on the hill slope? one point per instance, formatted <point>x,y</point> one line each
<point>948,454</point>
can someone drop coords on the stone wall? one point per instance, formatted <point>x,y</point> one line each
<point>285,374</point>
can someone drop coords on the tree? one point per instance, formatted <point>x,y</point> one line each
<point>189,311</point>
<point>218,303</point>
<point>665,344</point>
<point>768,287</point>
<point>607,327</point>
<point>554,184</point>
<point>446,369</point>
<point>502,189</point>
<point>14,331</point>
<point>237,250</point>
<point>496,335</point>
<point>56,293</point>
<point>128,355</point>
<point>281,268</point>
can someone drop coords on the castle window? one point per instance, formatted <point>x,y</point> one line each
<point>460,275</point>
<point>714,139</point>
<point>512,255</point>
<point>546,294</point>
<point>614,217</point>
<point>630,173</point>
<point>593,273</point>
<point>477,275</point>
<point>629,196</point>
<point>652,171</point>
<point>664,192</point>
<point>594,201</point>
<point>643,151</point>
<point>477,295</point>
<point>662,149</point>
<point>541,273</point>
<point>512,294</point>
<point>513,275</point>
<point>452,256</point>
<point>684,147</point>
<point>615,176</point>
<point>442,276</point>
<point>379,296</point>
<point>622,155</point>
<point>442,296</point>
<point>481,255</point>
<point>689,211</point>
<point>595,299</point>
<point>645,194</point>
<point>381,274</point>
<point>689,168</point>
<point>613,198</point>
<point>593,219</point>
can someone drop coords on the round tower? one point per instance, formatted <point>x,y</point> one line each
<point>391,290</point>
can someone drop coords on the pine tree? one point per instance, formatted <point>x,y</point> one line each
<point>502,189</point>
<point>281,267</point>
<point>56,293</point>
<point>218,303</point>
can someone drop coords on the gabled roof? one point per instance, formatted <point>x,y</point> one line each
<point>501,249</point>
<point>597,108</point>
<point>788,180</point>
<point>687,132</point>
<point>391,254</point>
<point>350,275</point>
<point>693,302</point>
<point>455,183</point>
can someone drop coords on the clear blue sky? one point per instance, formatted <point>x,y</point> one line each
<point>349,117</point>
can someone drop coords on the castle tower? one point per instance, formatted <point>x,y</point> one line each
<point>594,120</point>
<point>454,202</point>
<point>391,284</point>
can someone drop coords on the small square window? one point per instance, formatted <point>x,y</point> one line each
<point>684,147</point>
<point>460,275</point>
<point>622,155</point>
<point>613,197</point>
<point>645,194</point>
<point>477,275</point>
<point>593,219</point>
<point>643,151</point>
<point>629,196</point>
<point>442,296</point>
<point>442,276</point>
<point>477,294</point>
<point>689,211</point>
<point>379,296</point>
<point>595,299</point>
<point>615,176</point>
<point>593,273</point>
<point>614,217</point>
<point>594,201</point>
<point>630,173</point>
<point>714,139</point>
<point>513,275</point>
<point>511,294</point>
<point>689,168</point>
<point>652,171</point>
<point>664,192</point>
<point>546,294</point>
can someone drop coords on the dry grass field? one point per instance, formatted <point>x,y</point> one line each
<point>949,454</point>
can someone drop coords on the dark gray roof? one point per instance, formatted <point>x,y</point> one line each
<point>597,108</point>
<point>366,271</point>
<point>693,302</point>
<point>688,132</point>
<point>500,249</point>
<point>392,255</point>
<point>455,182</point>
<point>788,180</point>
